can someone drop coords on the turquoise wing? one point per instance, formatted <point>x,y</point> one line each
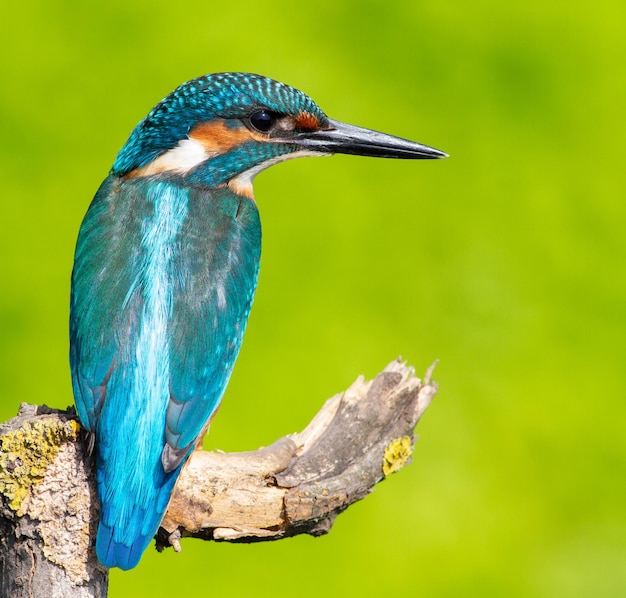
<point>163,281</point>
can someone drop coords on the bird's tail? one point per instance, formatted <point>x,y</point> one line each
<point>127,526</point>
<point>117,554</point>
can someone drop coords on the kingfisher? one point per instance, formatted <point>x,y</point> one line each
<point>165,270</point>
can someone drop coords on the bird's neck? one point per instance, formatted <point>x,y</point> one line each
<point>190,164</point>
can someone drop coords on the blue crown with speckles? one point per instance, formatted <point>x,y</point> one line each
<point>221,95</point>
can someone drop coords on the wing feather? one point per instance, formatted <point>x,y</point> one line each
<point>163,281</point>
<point>219,266</point>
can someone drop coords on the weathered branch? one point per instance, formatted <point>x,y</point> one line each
<point>299,484</point>
<point>48,509</point>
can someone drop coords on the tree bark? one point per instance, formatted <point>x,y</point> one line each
<point>299,484</point>
<point>48,509</point>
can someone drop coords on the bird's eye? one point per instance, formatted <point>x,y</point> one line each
<point>262,120</point>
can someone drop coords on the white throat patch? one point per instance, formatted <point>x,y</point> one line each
<point>179,160</point>
<point>242,183</point>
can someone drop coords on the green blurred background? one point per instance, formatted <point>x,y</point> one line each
<point>505,261</point>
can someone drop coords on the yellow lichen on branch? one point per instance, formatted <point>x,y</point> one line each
<point>26,453</point>
<point>397,454</point>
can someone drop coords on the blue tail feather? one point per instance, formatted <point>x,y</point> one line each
<point>116,554</point>
<point>127,526</point>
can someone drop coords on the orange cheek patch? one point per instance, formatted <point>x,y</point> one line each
<point>308,121</point>
<point>218,138</point>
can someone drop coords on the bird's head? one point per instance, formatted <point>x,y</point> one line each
<point>225,128</point>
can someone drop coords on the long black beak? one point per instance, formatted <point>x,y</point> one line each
<point>341,138</point>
